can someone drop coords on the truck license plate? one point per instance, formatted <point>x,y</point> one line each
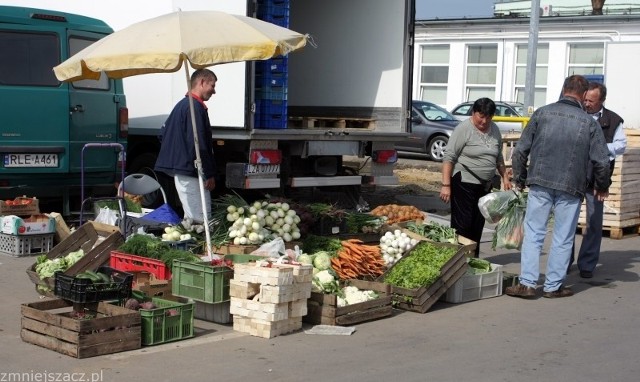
<point>261,169</point>
<point>31,160</point>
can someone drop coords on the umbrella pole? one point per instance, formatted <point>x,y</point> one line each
<point>198,163</point>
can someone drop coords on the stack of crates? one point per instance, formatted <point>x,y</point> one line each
<point>271,75</point>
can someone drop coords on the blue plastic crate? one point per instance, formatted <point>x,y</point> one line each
<point>271,93</point>
<point>280,10</point>
<point>273,2</point>
<point>279,21</point>
<point>272,121</point>
<point>274,65</point>
<point>269,106</point>
<point>271,79</point>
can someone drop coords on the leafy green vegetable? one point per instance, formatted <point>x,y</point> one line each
<point>356,221</point>
<point>144,245</point>
<point>154,248</point>
<point>477,266</point>
<point>49,267</point>
<point>114,205</point>
<point>46,267</point>
<point>434,231</point>
<point>314,243</point>
<point>421,267</point>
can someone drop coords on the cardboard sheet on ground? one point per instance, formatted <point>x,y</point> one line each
<point>330,330</point>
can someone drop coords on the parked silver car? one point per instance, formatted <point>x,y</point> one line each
<point>431,127</point>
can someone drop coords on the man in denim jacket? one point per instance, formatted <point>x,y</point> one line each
<point>558,143</point>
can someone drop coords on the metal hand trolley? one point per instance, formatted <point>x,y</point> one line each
<point>120,194</point>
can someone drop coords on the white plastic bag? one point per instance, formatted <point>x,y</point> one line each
<point>106,216</point>
<point>275,249</point>
<point>494,205</point>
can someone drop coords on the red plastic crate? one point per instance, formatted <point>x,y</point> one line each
<point>133,263</point>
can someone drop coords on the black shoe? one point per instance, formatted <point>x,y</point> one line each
<point>561,292</point>
<point>586,274</point>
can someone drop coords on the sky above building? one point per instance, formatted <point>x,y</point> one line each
<point>453,9</point>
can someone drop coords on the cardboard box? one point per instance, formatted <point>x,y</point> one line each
<point>21,206</point>
<point>62,229</point>
<point>148,283</point>
<point>34,225</point>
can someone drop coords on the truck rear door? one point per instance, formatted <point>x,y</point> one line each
<point>93,111</point>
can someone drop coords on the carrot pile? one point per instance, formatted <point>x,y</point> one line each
<point>356,259</point>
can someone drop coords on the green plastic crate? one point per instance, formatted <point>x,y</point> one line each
<point>162,325</point>
<point>200,281</point>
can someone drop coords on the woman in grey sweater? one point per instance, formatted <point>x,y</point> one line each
<point>472,156</point>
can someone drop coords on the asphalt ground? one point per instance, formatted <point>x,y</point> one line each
<point>592,336</point>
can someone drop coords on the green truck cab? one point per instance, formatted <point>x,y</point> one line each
<point>45,123</point>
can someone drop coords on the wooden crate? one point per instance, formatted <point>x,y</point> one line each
<point>622,207</point>
<point>468,244</point>
<point>48,324</point>
<point>421,299</point>
<point>322,309</point>
<point>232,249</point>
<point>20,206</point>
<point>266,329</point>
<point>269,301</point>
<point>276,274</point>
<point>95,239</point>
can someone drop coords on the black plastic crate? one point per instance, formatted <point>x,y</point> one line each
<point>327,226</point>
<point>80,290</point>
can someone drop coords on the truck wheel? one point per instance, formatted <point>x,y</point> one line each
<point>436,147</point>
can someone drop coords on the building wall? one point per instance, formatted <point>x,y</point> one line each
<point>510,8</point>
<point>558,33</point>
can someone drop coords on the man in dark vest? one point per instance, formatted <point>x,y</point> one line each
<point>611,124</point>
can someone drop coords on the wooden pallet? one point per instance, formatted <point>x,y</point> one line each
<point>615,233</point>
<point>331,122</point>
<point>622,208</point>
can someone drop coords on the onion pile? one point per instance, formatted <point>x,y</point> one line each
<point>393,245</point>
<point>262,221</point>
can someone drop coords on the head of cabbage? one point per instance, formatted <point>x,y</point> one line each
<point>322,260</point>
<point>305,259</point>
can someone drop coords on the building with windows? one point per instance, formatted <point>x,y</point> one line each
<point>464,59</point>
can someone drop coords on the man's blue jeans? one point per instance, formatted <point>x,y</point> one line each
<point>541,201</point>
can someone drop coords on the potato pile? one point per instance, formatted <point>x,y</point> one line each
<point>396,213</point>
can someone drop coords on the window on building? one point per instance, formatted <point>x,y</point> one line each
<point>434,73</point>
<point>482,63</point>
<point>542,69</point>
<point>586,58</point>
